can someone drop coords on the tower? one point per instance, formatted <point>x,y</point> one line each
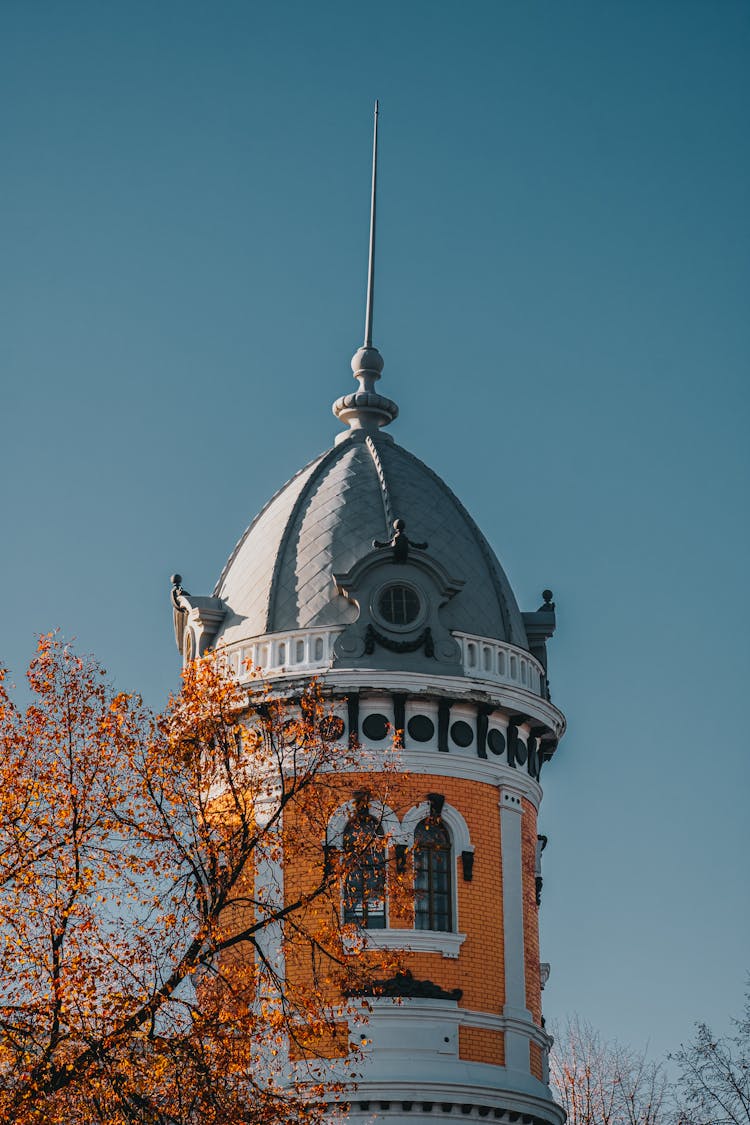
<point>367,572</point>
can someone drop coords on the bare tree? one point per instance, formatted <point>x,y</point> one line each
<point>714,1080</point>
<point>599,1082</point>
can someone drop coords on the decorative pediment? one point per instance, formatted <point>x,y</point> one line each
<point>359,576</point>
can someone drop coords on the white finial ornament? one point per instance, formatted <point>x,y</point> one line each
<point>365,409</point>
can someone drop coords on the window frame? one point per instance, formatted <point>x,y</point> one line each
<point>348,913</point>
<point>395,627</point>
<point>431,851</point>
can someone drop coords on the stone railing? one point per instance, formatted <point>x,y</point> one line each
<point>311,650</point>
<point>499,662</point>
<point>300,650</point>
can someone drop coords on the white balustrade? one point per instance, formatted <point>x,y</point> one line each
<point>486,659</point>
<point>311,650</point>
<point>301,650</point>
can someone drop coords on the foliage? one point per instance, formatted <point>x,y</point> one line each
<point>603,1083</point>
<point>714,1076</point>
<point>145,934</point>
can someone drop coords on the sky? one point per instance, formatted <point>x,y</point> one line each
<point>561,301</point>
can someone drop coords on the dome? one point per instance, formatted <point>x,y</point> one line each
<point>283,573</point>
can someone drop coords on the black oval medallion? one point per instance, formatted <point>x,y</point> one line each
<point>521,752</point>
<point>461,733</point>
<point>421,728</point>
<point>496,741</point>
<point>291,731</point>
<point>331,728</point>
<point>375,727</point>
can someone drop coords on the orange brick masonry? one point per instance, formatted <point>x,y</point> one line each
<point>479,969</point>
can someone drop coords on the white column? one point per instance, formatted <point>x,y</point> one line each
<point>516,1042</point>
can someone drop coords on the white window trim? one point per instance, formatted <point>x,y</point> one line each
<point>411,941</point>
<point>451,817</point>
<point>335,839</point>
<point>458,831</point>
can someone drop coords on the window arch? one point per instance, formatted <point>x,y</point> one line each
<point>364,890</point>
<point>433,869</point>
<point>457,831</point>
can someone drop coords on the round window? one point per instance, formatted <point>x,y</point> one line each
<point>399,605</point>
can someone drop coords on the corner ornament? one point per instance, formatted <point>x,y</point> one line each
<point>400,544</point>
<point>179,613</point>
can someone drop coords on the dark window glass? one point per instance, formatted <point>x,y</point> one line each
<point>399,605</point>
<point>364,885</point>
<point>432,876</point>
<point>520,751</point>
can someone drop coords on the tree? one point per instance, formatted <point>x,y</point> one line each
<point>713,1087</point>
<point>155,961</point>
<point>603,1083</point>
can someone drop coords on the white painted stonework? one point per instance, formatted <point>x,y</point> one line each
<point>304,650</point>
<point>412,1062</point>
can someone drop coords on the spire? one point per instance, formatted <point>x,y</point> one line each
<point>371,257</point>
<point>365,409</point>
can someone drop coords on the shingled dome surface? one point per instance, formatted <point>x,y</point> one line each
<point>280,575</point>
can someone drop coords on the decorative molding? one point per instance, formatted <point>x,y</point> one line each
<point>470,769</point>
<point>406,985</point>
<point>373,636</point>
<point>447,585</point>
<point>458,689</point>
<point>484,1089</point>
<point>446,943</point>
<point>384,492</point>
<point>451,817</point>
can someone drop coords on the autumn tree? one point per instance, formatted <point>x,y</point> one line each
<point>713,1086</point>
<point>146,926</point>
<point>603,1083</point>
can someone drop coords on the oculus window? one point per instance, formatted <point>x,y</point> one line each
<point>399,604</point>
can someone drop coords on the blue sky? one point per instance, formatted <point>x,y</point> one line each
<point>563,267</point>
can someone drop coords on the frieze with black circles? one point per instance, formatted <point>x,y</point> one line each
<point>452,731</point>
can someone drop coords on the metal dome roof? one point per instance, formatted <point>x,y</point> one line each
<point>280,575</point>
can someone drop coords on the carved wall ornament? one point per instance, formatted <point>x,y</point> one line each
<point>373,636</point>
<point>400,544</point>
<point>405,985</point>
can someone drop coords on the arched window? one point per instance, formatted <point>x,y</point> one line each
<point>364,883</point>
<point>432,875</point>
